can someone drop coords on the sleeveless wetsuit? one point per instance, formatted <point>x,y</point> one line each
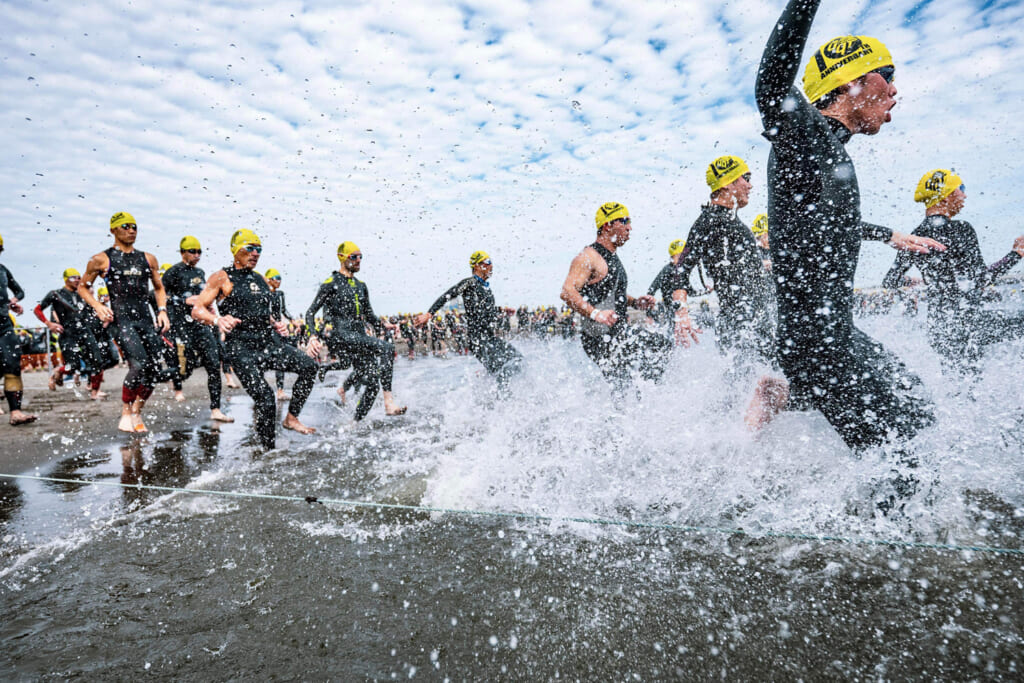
<point>617,349</point>
<point>958,327</point>
<point>347,309</point>
<point>815,230</point>
<point>195,344</point>
<point>254,346</point>
<point>128,279</point>
<point>10,345</point>
<point>80,347</point>
<point>500,358</point>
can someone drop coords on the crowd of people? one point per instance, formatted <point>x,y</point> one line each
<point>784,286</point>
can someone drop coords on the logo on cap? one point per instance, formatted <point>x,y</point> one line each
<point>935,183</point>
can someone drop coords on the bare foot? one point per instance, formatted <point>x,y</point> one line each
<point>125,424</point>
<point>395,410</point>
<point>98,395</point>
<point>770,397</point>
<point>138,426</point>
<point>217,415</point>
<point>282,396</point>
<point>231,383</point>
<point>179,396</point>
<point>56,379</point>
<point>341,394</point>
<point>291,422</point>
<point>19,417</point>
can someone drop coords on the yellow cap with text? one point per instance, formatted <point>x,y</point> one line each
<point>842,60</point>
<point>936,185</point>
<point>724,171</point>
<point>610,211</point>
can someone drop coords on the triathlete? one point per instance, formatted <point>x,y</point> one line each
<point>347,309</point>
<point>253,340</point>
<point>499,357</point>
<point>596,289</point>
<point>958,328</point>
<point>726,248</point>
<point>760,230</point>
<point>169,350</point>
<point>195,344</point>
<point>74,322</point>
<point>128,273</point>
<point>815,225</point>
<point>664,282</point>
<point>279,312</point>
<point>10,345</point>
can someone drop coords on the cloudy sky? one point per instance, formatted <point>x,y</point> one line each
<point>423,131</point>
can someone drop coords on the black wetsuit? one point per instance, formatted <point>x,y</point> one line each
<point>128,278</point>
<point>618,348</point>
<point>279,312</point>
<point>729,252</point>
<point>254,346</point>
<point>815,231</point>
<point>482,319</point>
<point>80,346</point>
<point>346,304</point>
<point>957,326</point>
<point>10,345</point>
<point>194,343</point>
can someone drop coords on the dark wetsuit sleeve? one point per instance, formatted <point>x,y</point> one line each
<point>318,303</point>
<point>1003,265</point>
<point>894,278</point>
<point>780,62</point>
<point>49,300</point>
<point>689,261</point>
<point>13,285</point>
<point>284,308</point>
<point>880,233</point>
<point>370,316</point>
<point>453,293</point>
<point>974,263</point>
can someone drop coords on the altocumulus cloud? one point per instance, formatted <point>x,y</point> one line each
<point>423,131</point>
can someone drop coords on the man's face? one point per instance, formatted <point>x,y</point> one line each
<point>249,255</point>
<point>72,282</point>
<point>873,99</point>
<point>740,190</point>
<point>126,232</point>
<point>274,283</point>
<point>190,257</point>
<point>956,201</point>
<point>618,231</point>
<point>354,261</point>
<point>483,269</point>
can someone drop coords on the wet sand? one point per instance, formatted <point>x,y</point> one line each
<point>70,421</point>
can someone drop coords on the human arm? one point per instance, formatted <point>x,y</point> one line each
<point>48,302</point>
<point>1007,262</point>
<point>454,292</point>
<point>580,272</point>
<point>318,302</point>
<point>685,330</point>
<point>368,315</point>
<point>17,293</point>
<point>780,61</point>
<point>914,243</point>
<point>217,287</point>
<point>97,264</point>
<point>162,321</point>
<point>894,278</point>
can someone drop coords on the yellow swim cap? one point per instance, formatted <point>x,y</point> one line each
<point>610,211</point>
<point>241,238</point>
<point>1,240</point>
<point>842,60</point>
<point>346,249</point>
<point>70,273</point>
<point>936,185</point>
<point>103,291</point>
<point>724,171</point>
<point>760,226</point>
<point>120,218</point>
<point>477,257</point>
<point>164,267</point>
<point>676,247</point>
<point>189,242</point>
<point>272,274</point>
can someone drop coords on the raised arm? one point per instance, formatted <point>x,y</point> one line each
<point>780,62</point>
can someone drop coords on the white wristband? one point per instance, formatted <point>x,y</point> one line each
<point>593,313</point>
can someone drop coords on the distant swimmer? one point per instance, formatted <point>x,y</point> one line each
<point>252,339</point>
<point>815,228</point>
<point>128,274</point>
<point>483,317</point>
<point>10,345</point>
<point>346,304</point>
<point>664,282</point>
<point>596,289</point>
<point>759,228</point>
<point>81,349</point>
<point>279,312</point>
<point>194,344</point>
<point>958,328</point>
